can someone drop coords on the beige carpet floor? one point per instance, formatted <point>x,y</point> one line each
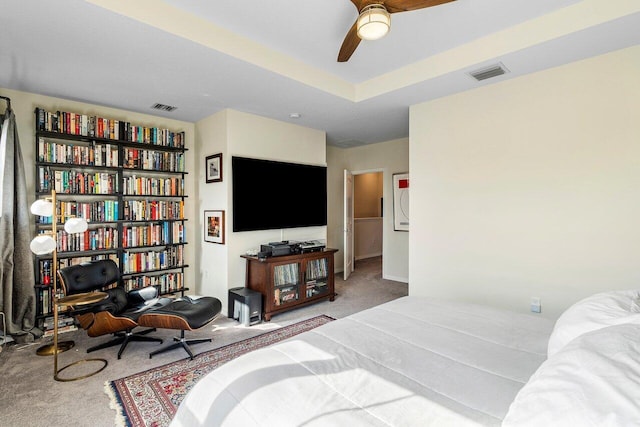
<point>30,397</point>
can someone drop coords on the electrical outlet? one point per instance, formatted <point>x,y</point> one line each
<point>536,307</point>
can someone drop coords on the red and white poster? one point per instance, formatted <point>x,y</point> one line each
<point>401,202</point>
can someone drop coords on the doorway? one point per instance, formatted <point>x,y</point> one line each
<point>364,223</point>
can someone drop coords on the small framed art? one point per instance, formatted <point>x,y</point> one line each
<point>401,202</point>
<point>213,168</point>
<point>214,227</point>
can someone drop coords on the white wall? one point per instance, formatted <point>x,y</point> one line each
<point>24,104</point>
<point>389,157</point>
<point>212,258</point>
<point>233,133</point>
<point>529,187</point>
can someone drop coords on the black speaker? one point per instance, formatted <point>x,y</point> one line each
<point>245,305</point>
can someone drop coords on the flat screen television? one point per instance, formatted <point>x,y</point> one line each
<point>271,195</point>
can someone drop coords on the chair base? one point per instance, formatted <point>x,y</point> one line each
<point>124,338</point>
<point>180,342</point>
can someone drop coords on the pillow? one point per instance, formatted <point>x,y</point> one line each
<point>594,312</point>
<point>592,381</point>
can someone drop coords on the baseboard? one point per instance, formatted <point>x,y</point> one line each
<point>358,258</point>
<point>395,279</point>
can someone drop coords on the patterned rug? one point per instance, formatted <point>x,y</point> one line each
<point>151,398</point>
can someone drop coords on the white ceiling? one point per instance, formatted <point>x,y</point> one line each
<point>276,57</point>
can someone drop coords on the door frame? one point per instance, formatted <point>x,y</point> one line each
<point>347,225</point>
<point>349,267</point>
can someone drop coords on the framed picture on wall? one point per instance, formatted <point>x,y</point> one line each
<point>214,227</point>
<point>213,168</point>
<point>401,202</point>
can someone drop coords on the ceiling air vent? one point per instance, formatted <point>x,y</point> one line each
<point>489,72</point>
<point>163,107</point>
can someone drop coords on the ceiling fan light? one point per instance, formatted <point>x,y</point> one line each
<point>374,22</point>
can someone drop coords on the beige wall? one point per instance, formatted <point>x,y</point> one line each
<point>24,105</point>
<point>367,237</point>
<point>212,258</point>
<point>529,187</point>
<point>387,157</point>
<point>234,133</point>
<point>367,192</point>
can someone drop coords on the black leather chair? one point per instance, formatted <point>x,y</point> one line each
<point>117,314</point>
<point>122,311</point>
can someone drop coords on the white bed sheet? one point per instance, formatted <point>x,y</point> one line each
<point>411,361</point>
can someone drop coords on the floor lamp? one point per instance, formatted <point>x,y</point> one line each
<point>45,244</point>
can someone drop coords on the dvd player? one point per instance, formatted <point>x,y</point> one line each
<point>311,246</point>
<point>278,248</point>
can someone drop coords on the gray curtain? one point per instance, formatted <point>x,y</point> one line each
<point>17,294</point>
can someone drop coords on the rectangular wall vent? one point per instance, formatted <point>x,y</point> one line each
<point>489,72</point>
<point>163,107</point>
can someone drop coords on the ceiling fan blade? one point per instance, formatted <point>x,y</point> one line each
<point>351,41</point>
<point>394,6</point>
<point>349,45</point>
<point>359,4</point>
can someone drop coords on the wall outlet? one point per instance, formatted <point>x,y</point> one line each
<point>535,305</point>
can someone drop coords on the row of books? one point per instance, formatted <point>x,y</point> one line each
<point>285,274</point>
<point>90,240</point>
<point>316,268</point>
<point>135,158</point>
<point>107,210</point>
<point>137,262</point>
<point>45,302</point>
<point>92,154</point>
<point>63,320</point>
<point>144,210</point>
<point>95,126</point>
<point>46,268</point>
<point>44,306</point>
<point>61,330</point>
<point>98,211</point>
<point>153,234</point>
<point>150,186</point>
<point>76,182</point>
<point>166,283</point>
<point>105,155</point>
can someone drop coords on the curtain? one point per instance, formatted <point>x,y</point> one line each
<point>17,293</point>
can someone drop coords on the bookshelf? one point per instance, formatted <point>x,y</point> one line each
<point>127,181</point>
<point>291,281</point>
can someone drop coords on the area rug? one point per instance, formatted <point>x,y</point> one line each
<point>151,398</point>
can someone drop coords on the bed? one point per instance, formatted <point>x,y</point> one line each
<point>421,361</point>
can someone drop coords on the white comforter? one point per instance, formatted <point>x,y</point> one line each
<point>594,381</point>
<point>412,361</point>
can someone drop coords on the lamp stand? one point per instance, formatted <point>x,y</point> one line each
<point>59,347</point>
<point>55,347</point>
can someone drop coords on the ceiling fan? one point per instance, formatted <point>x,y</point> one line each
<point>374,21</point>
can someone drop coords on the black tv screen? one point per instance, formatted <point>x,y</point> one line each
<point>270,195</point>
